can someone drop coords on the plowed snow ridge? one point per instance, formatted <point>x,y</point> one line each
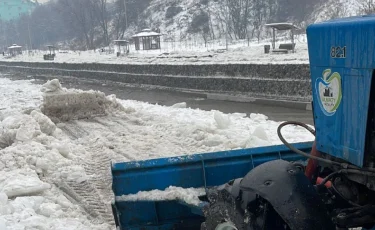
<point>71,159</point>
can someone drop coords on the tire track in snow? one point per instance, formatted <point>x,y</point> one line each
<point>116,126</point>
<point>89,199</point>
<point>73,130</point>
<point>94,194</point>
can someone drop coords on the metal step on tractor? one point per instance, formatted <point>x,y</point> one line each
<point>325,184</point>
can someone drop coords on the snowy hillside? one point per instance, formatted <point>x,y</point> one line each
<point>336,9</point>
<point>176,17</point>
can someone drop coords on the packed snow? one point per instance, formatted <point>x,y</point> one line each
<point>186,195</point>
<point>55,173</point>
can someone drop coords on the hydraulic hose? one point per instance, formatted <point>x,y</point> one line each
<point>345,168</point>
<point>307,155</point>
<point>291,147</point>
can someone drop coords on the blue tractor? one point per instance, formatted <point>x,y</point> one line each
<point>325,184</point>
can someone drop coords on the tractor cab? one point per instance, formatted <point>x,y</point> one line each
<point>51,53</point>
<point>342,68</point>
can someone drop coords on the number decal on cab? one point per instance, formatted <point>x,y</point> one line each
<point>338,52</point>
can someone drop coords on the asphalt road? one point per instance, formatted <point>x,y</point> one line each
<point>168,98</point>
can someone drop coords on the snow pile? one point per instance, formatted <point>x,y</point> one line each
<point>187,195</point>
<point>158,131</point>
<point>20,127</point>
<point>179,105</point>
<point>35,158</point>
<point>39,212</point>
<point>17,95</point>
<point>222,121</point>
<point>32,162</point>
<point>61,104</point>
<point>21,182</point>
<point>56,175</point>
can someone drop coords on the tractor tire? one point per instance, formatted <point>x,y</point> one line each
<point>264,218</point>
<point>223,212</point>
<point>223,209</point>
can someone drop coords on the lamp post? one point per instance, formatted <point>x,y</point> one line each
<point>28,27</point>
<point>126,15</point>
<point>226,23</point>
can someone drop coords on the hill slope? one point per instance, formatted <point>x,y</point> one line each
<point>182,19</point>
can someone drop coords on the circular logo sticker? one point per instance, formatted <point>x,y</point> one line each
<point>329,92</point>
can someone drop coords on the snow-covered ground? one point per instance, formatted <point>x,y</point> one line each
<point>181,53</point>
<point>56,175</point>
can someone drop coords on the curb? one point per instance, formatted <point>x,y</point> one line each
<point>262,101</point>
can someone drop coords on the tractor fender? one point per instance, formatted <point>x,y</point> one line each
<point>290,193</point>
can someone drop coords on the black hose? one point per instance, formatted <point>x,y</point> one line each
<point>346,168</point>
<point>307,155</point>
<point>330,176</point>
<point>347,171</point>
<point>291,147</point>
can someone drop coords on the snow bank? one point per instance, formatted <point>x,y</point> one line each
<point>187,195</point>
<point>61,104</point>
<point>31,163</point>
<point>38,212</point>
<point>34,158</point>
<point>16,96</point>
<point>21,183</point>
<point>19,127</point>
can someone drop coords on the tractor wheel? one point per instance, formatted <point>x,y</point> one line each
<point>225,213</point>
<point>223,216</point>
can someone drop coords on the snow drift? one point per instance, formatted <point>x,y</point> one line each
<point>63,105</point>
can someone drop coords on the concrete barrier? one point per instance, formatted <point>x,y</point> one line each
<point>269,82</point>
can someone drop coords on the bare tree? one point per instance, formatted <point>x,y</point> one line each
<point>208,9</point>
<point>239,12</point>
<point>367,6</point>
<point>102,17</point>
<point>260,11</point>
<point>120,19</point>
<point>80,15</point>
<point>221,19</point>
<point>339,11</point>
<point>200,25</point>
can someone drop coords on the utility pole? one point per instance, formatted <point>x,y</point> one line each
<point>28,27</point>
<point>126,15</point>
<point>5,35</point>
<point>226,23</point>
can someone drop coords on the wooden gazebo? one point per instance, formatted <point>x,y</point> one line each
<point>149,39</point>
<point>284,26</point>
<point>15,50</point>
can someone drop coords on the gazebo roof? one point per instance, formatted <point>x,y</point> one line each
<point>147,33</point>
<point>14,46</point>
<point>282,26</point>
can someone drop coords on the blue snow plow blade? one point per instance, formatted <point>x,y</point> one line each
<point>193,171</point>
